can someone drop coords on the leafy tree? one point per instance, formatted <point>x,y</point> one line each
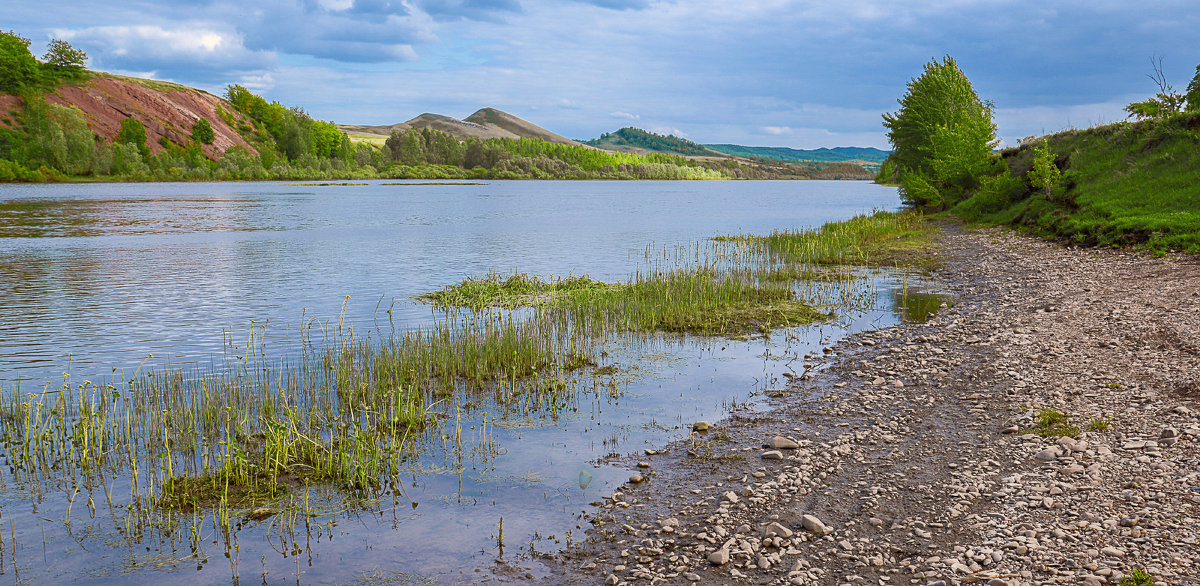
<point>202,131</point>
<point>18,67</point>
<point>1193,93</point>
<point>133,132</point>
<point>63,56</point>
<point>1045,174</point>
<point>943,132</point>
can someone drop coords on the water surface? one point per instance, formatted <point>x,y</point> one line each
<point>106,278</point>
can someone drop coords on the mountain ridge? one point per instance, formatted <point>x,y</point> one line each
<point>483,124</point>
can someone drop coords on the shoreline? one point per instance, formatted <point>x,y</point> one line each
<point>908,459</point>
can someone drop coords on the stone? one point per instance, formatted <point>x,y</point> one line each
<point>636,479</point>
<point>612,580</point>
<point>777,529</point>
<point>731,496</point>
<point>1113,552</point>
<point>782,443</point>
<point>691,577</point>
<point>700,426</point>
<point>719,557</point>
<point>1047,455</point>
<point>814,525</point>
<point>772,455</point>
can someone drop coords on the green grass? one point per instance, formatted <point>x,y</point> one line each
<point>516,290</point>
<point>879,239</point>
<point>1125,184</point>
<point>1137,578</point>
<point>1054,423</point>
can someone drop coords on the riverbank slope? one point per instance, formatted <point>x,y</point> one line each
<point>915,455</point>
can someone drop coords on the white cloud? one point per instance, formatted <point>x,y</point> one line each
<point>668,131</point>
<point>778,130</point>
<point>625,115</point>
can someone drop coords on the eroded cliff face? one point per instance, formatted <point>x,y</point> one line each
<point>164,109</point>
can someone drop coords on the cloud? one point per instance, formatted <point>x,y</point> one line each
<point>617,4</point>
<point>669,131</point>
<point>205,52</point>
<point>778,130</point>
<point>625,115</point>
<point>457,10</point>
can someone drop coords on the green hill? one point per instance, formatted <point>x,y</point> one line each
<point>824,155</point>
<point>630,138</point>
<point>1129,183</point>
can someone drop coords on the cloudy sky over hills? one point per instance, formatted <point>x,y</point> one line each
<point>803,74</point>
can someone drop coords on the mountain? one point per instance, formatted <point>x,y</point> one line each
<point>638,140</point>
<point>167,110</point>
<point>483,124</point>
<point>834,155</point>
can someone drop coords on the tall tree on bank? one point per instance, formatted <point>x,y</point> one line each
<point>942,137</point>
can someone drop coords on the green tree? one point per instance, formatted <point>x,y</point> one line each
<point>202,131</point>
<point>1193,93</point>
<point>18,67</point>
<point>133,132</point>
<point>1045,174</point>
<point>63,56</point>
<point>943,131</point>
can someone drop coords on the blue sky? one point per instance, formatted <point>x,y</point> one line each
<point>803,74</point>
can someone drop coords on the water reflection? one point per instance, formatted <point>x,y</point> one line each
<point>108,278</point>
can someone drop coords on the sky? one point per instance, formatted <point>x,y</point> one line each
<point>791,73</point>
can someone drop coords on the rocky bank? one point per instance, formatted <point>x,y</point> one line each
<point>909,456</point>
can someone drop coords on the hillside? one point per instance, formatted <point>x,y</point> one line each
<point>483,124</point>
<point>1129,184</point>
<point>630,139</point>
<point>824,155</point>
<point>165,109</point>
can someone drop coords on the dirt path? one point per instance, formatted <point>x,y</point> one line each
<point>906,460</point>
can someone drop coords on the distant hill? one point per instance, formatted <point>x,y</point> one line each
<point>834,155</point>
<point>636,139</point>
<point>167,110</point>
<point>483,124</point>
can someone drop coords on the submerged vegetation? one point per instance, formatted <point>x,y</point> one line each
<point>349,411</point>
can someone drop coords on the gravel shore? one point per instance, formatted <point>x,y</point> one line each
<point>910,458</point>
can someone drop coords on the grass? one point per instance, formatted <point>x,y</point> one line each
<point>1137,578</point>
<point>516,290</point>
<point>879,239</point>
<point>1124,184</point>
<point>349,412</point>
<point>1099,424</point>
<point>342,415</point>
<point>1054,423</point>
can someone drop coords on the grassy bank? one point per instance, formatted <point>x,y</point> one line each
<point>1124,184</point>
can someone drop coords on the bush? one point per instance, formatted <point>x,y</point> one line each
<point>916,191</point>
<point>202,131</point>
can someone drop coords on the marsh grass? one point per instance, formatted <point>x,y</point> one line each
<point>512,291</point>
<point>879,239</point>
<point>350,412</point>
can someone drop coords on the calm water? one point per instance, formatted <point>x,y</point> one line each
<point>102,277</point>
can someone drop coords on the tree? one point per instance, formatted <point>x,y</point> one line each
<point>1165,103</point>
<point>202,131</point>
<point>133,132</point>
<point>18,68</point>
<point>1045,174</point>
<point>942,132</point>
<point>63,56</point>
<point>1193,93</point>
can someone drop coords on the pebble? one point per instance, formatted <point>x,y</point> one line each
<point>782,443</point>
<point>814,525</point>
